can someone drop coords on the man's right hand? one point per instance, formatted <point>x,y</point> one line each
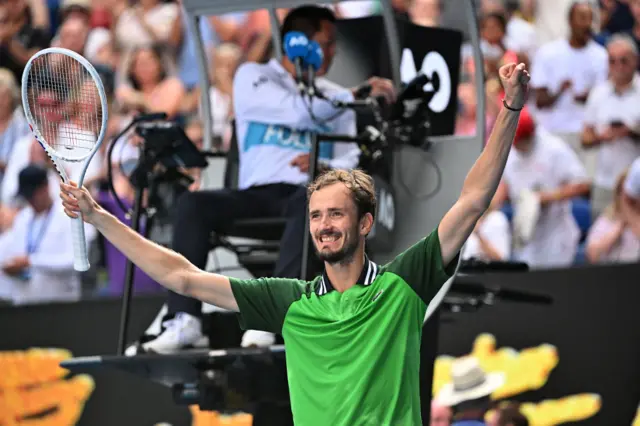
<point>78,201</point>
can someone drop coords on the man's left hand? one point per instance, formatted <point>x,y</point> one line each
<point>16,265</point>
<point>302,162</point>
<point>515,80</point>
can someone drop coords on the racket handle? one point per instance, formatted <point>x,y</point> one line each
<point>80,257</point>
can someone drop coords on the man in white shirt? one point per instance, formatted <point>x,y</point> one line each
<point>612,120</point>
<point>274,124</point>
<point>36,253</point>
<point>562,75</point>
<point>544,165</point>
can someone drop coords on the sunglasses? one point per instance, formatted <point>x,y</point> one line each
<point>622,60</point>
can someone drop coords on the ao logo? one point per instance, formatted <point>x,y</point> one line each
<point>386,210</point>
<point>299,41</point>
<point>433,63</point>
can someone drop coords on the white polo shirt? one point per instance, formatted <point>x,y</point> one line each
<point>604,107</point>
<point>550,164</point>
<point>557,62</point>
<point>274,126</point>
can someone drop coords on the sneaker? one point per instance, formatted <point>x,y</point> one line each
<point>178,332</point>
<point>256,338</point>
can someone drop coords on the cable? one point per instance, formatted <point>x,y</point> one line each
<point>420,197</point>
<point>309,106</point>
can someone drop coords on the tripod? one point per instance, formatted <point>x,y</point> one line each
<point>166,149</point>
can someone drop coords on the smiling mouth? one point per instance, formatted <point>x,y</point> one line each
<point>329,238</point>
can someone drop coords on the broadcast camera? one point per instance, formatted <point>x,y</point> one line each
<point>381,127</point>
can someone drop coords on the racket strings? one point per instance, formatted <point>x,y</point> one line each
<point>65,105</point>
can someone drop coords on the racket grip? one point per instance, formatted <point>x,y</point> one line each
<point>80,257</point>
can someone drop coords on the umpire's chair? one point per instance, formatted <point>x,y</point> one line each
<point>259,253</point>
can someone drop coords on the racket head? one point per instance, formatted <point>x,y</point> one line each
<point>65,104</point>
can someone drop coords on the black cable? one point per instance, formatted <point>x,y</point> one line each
<point>119,202</point>
<point>422,197</point>
<point>309,106</point>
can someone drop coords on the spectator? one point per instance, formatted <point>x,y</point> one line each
<point>612,120</point>
<point>42,269</point>
<point>521,35</point>
<point>611,238</point>
<point>149,86</point>
<point>550,18</point>
<point>226,59</point>
<point>630,205</point>
<point>101,50</point>
<point>73,34</point>
<point>491,238</point>
<point>635,31</point>
<point>541,177</point>
<point>13,125</point>
<point>440,414</point>
<point>467,110</point>
<point>144,23</point>
<point>19,38</point>
<point>425,13</point>
<point>470,391</point>
<point>562,75</point>
<point>508,415</point>
<point>76,9</point>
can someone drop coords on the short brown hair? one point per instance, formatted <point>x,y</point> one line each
<point>359,183</point>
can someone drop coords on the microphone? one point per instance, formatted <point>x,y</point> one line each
<point>296,47</point>
<point>313,59</point>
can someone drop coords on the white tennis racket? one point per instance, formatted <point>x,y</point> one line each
<point>66,107</point>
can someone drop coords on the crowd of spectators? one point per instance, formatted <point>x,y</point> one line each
<point>574,145</point>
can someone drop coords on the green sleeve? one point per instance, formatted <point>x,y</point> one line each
<point>263,302</point>
<point>421,267</point>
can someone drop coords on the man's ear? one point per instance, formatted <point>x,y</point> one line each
<point>366,223</point>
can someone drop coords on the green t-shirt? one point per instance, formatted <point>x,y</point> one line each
<point>353,358</point>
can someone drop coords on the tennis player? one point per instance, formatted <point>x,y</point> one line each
<point>352,335</point>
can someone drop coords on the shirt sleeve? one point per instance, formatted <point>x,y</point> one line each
<point>263,303</point>
<point>569,165</point>
<point>591,108</point>
<point>421,267</point>
<point>539,74</point>
<point>257,97</point>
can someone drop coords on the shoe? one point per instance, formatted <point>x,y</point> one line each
<point>178,332</point>
<point>260,339</point>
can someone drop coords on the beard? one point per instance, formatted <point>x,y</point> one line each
<point>345,254</point>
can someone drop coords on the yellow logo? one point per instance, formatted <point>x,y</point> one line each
<point>213,418</point>
<point>524,371</point>
<point>35,390</point>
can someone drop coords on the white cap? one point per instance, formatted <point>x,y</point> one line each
<point>632,183</point>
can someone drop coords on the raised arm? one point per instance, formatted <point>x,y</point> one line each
<point>165,266</point>
<point>483,178</point>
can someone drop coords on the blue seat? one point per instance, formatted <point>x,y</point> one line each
<point>507,209</point>
<point>581,255</point>
<point>581,209</point>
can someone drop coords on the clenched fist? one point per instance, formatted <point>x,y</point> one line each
<point>77,201</point>
<point>515,80</point>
